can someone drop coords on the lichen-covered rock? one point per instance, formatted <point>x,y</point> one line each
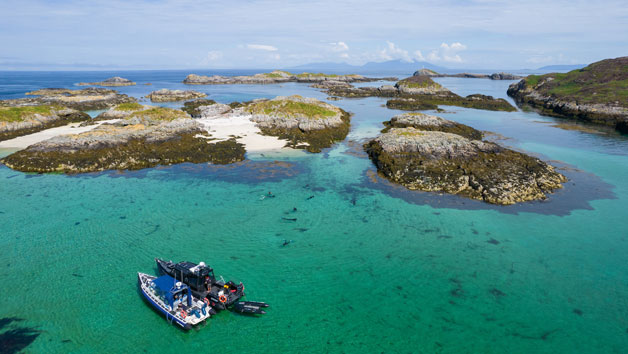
<point>426,72</point>
<point>166,95</point>
<point>597,93</point>
<point>22,120</point>
<point>91,98</point>
<point>275,77</point>
<point>121,111</point>
<point>112,81</point>
<point>421,85</point>
<point>299,120</point>
<point>431,123</point>
<point>504,76</point>
<point>305,123</point>
<point>144,138</point>
<point>421,93</point>
<point>450,163</point>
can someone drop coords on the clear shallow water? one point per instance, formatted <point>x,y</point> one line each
<point>372,267</point>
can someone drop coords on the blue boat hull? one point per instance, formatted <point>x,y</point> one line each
<point>168,315</point>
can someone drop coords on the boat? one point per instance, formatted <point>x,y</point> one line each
<point>174,300</point>
<point>221,294</point>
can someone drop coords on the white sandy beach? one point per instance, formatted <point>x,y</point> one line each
<point>220,128</point>
<point>22,142</point>
<point>247,133</point>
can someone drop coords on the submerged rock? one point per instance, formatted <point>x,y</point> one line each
<point>417,152</point>
<point>597,93</point>
<point>166,95</point>
<point>22,120</point>
<point>84,99</point>
<point>144,138</point>
<point>112,81</point>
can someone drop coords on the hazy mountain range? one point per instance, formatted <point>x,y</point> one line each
<point>400,67</point>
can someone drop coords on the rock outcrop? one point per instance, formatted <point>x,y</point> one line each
<point>428,122</point>
<point>144,138</point>
<point>112,81</point>
<point>22,120</point>
<point>427,159</point>
<point>494,76</point>
<point>276,77</point>
<point>421,93</point>
<point>165,95</point>
<point>597,93</point>
<point>84,99</point>
<point>306,123</point>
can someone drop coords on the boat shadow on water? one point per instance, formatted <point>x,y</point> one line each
<point>13,339</point>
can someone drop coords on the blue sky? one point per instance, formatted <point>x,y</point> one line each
<point>165,34</point>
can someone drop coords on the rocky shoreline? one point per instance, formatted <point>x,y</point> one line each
<point>419,92</point>
<point>112,81</point>
<point>594,94</point>
<point>305,123</point>
<point>145,138</point>
<point>493,76</point>
<point>23,120</point>
<point>429,153</point>
<point>166,95</point>
<point>86,99</point>
<point>139,136</point>
<point>276,77</point>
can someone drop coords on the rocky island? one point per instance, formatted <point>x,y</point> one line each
<point>112,81</point>
<point>165,95</point>
<point>138,136</point>
<point>420,92</point>
<point>597,93</point>
<point>23,120</point>
<point>429,153</point>
<point>84,99</point>
<point>146,137</point>
<point>304,123</point>
<point>276,77</point>
<point>494,76</point>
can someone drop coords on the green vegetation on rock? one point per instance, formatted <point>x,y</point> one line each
<point>160,114</point>
<point>315,140</point>
<point>289,107</point>
<point>133,155</point>
<point>131,106</point>
<point>19,114</point>
<point>597,93</point>
<point>420,81</point>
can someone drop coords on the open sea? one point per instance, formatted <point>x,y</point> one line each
<point>371,268</point>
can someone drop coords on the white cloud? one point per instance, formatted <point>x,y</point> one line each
<point>213,55</point>
<point>418,56</point>
<point>393,52</point>
<point>447,53</point>
<point>339,46</point>
<point>344,56</point>
<point>268,48</point>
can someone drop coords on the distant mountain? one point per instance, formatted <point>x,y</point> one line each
<point>396,67</point>
<point>564,68</point>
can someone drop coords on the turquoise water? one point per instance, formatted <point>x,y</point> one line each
<point>372,267</point>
